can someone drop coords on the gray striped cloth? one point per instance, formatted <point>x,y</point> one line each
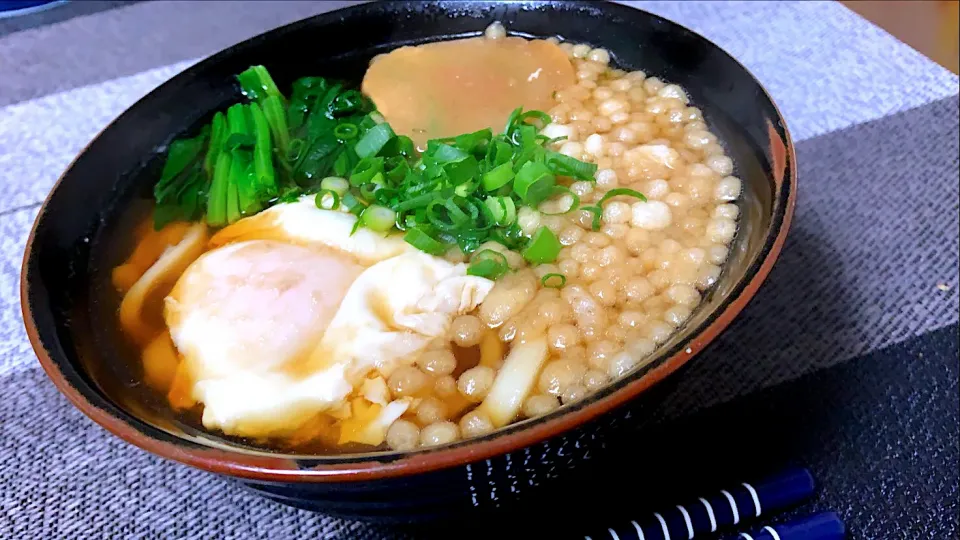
<point>871,260</point>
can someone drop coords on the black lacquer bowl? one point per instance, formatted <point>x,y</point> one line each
<point>81,225</point>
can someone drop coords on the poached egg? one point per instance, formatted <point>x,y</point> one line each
<point>288,314</point>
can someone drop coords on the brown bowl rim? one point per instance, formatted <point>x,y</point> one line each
<point>265,467</point>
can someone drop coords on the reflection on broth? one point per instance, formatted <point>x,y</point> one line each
<point>338,291</point>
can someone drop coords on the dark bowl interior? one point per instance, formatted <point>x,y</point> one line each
<point>83,228</point>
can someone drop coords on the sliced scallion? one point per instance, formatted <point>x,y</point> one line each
<point>543,248</point>
<point>503,210</point>
<point>421,240</point>
<point>352,204</point>
<point>327,199</point>
<point>335,184</point>
<point>365,170</point>
<point>328,140</point>
<point>553,280</point>
<point>368,191</point>
<point>564,165</point>
<point>574,201</point>
<point>597,210</point>
<point>378,218</point>
<point>534,183</point>
<point>345,131</point>
<point>374,140</point>
<point>498,177</point>
<point>616,192</point>
<point>488,264</point>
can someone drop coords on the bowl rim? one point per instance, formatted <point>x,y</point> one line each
<point>372,466</point>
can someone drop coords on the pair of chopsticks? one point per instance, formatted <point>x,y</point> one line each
<point>730,507</point>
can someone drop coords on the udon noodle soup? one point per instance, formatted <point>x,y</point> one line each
<point>487,230</point>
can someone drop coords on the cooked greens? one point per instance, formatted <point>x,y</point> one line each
<point>329,140</point>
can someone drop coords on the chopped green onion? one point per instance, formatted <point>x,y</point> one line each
<point>551,280</point>
<point>352,204</point>
<point>445,217</point>
<point>366,170</point>
<point>474,142</point>
<point>374,140</point>
<point>486,268</point>
<point>444,154</point>
<point>346,131</point>
<point>378,179</point>
<point>539,116</point>
<point>564,165</point>
<point>396,169</point>
<point>400,145</point>
<point>544,247</point>
<point>616,192</point>
<point>335,184</point>
<point>378,218</point>
<point>368,190</point>
<point>503,209</point>
<point>488,264</point>
<point>327,199</point>
<point>574,202</point>
<point>490,254</point>
<point>420,201</point>
<point>419,239</point>
<point>597,214</point>
<point>328,140</point>
<point>498,177</point>
<point>512,120</point>
<point>348,102</point>
<point>467,188</point>
<point>597,210</point>
<point>534,183</point>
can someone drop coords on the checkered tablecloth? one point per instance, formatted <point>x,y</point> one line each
<point>846,361</point>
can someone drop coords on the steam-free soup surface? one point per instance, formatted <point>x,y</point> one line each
<point>451,87</point>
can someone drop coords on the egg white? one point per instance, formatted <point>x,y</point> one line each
<point>393,311</point>
<point>277,329</point>
<point>302,223</point>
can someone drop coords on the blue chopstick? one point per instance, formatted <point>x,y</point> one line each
<point>726,508</point>
<point>823,526</point>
